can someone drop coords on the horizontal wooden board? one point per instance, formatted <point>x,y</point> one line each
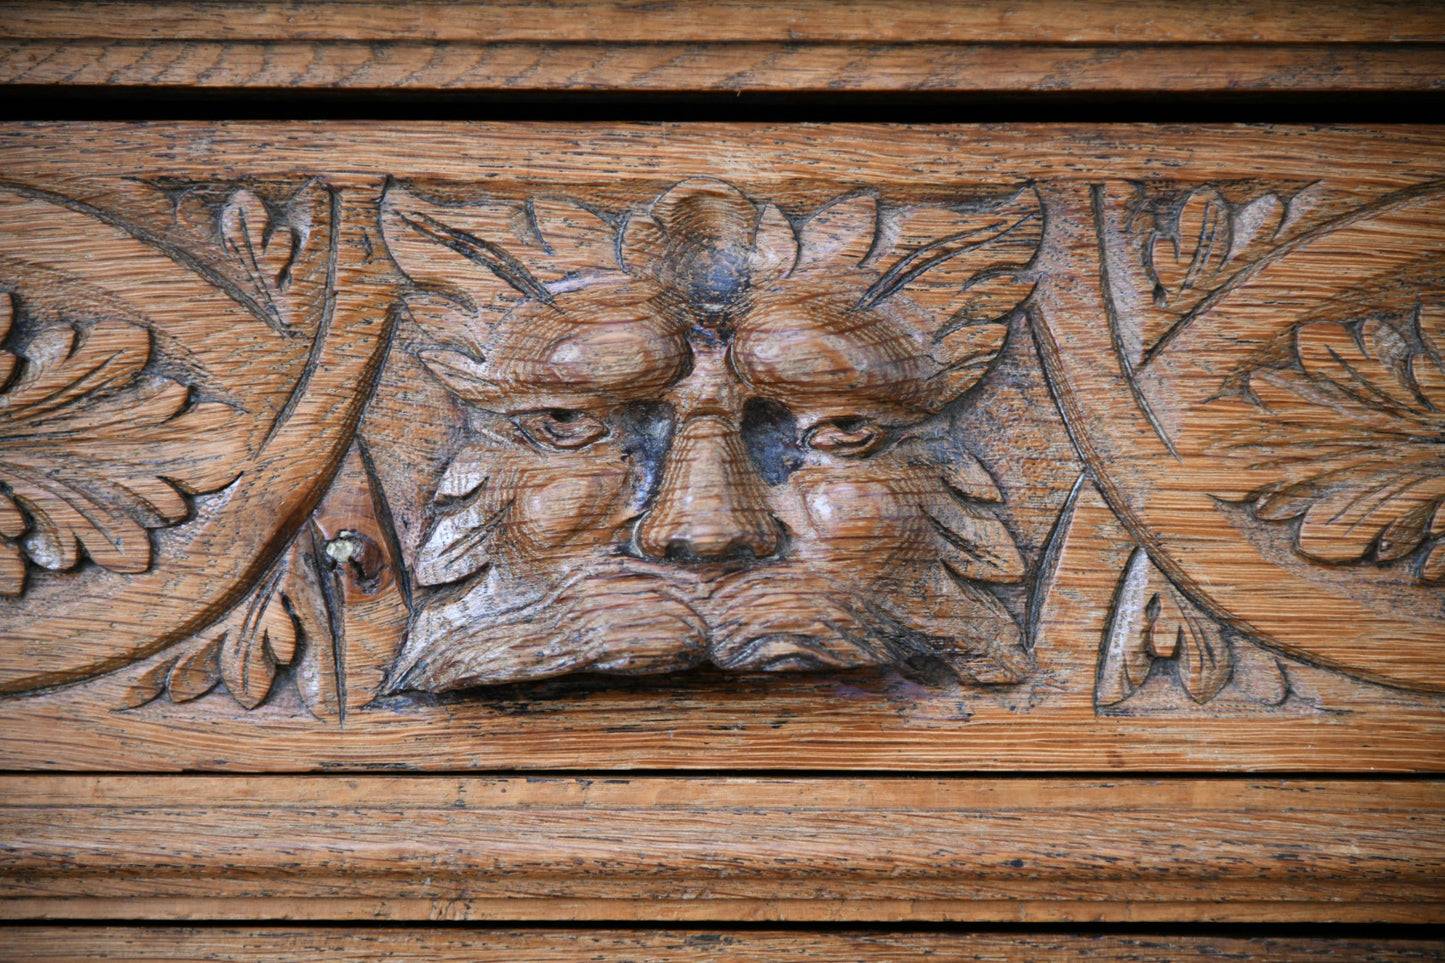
<point>925,68</point>
<point>260,540</point>
<point>797,21</point>
<point>707,848</point>
<point>1043,46</point>
<point>56,944</point>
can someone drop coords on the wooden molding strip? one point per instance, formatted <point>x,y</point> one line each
<point>801,45</point>
<point>793,21</point>
<point>702,66</point>
<point>277,945</point>
<point>721,848</point>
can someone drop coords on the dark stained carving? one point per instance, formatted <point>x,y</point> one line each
<point>699,431</point>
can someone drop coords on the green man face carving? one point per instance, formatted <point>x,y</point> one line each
<point>701,432</point>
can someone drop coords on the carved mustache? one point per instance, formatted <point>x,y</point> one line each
<point>630,620</point>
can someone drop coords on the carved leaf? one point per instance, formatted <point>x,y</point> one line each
<point>1358,438</point>
<point>266,249</point>
<point>1194,241</point>
<point>94,451</point>
<point>981,547</point>
<point>197,671</point>
<point>457,545</point>
<point>969,271</point>
<point>479,260</point>
<point>283,619</point>
<point>147,687</point>
<point>1152,621</point>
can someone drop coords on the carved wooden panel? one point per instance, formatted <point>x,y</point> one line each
<point>525,446</point>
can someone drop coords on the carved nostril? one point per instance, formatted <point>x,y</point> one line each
<point>711,505</point>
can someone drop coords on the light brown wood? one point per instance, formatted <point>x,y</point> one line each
<point>57,944</point>
<point>736,448</point>
<point>1141,46</point>
<point>458,848</point>
<point>871,21</point>
<point>927,68</point>
<point>920,528</point>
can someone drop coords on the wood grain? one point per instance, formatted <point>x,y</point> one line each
<point>1043,46</point>
<point>929,68</point>
<point>351,592</point>
<point>57,944</point>
<point>754,848</point>
<point>1030,21</point>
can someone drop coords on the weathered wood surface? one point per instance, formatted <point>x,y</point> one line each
<point>1144,46</point>
<point>806,21</point>
<point>58,944</point>
<point>754,447</point>
<point>309,847</point>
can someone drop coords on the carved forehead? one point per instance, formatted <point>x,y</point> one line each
<point>618,340</point>
<point>822,348</point>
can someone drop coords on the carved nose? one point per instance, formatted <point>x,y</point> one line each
<point>711,503</point>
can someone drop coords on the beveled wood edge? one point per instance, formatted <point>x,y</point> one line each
<point>697,67</point>
<point>712,848</point>
<point>546,945</point>
<point>793,21</point>
<point>855,46</point>
<point>694,911</point>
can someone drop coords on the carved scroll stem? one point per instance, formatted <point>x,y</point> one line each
<point>1115,439</point>
<point>341,377</point>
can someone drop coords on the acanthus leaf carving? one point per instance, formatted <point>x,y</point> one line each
<point>1353,425</point>
<point>96,451</point>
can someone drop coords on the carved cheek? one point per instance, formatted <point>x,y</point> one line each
<point>572,505</point>
<point>858,515</point>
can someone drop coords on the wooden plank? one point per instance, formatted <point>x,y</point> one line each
<point>260,579</point>
<point>794,21</point>
<point>930,68</point>
<point>58,944</point>
<point>592,847</point>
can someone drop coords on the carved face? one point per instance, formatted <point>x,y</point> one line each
<point>701,433</point>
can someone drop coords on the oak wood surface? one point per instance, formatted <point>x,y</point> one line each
<point>277,660</point>
<point>705,848</point>
<point>282,457</point>
<point>1141,46</point>
<point>906,21</point>
<point>695,67</point>
<point>57,944</point>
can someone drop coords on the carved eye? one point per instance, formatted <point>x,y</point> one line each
<point>846,437</point>
<point>560,428</point>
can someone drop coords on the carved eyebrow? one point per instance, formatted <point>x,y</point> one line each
<point>901,273</point>
<point>478,251</point>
